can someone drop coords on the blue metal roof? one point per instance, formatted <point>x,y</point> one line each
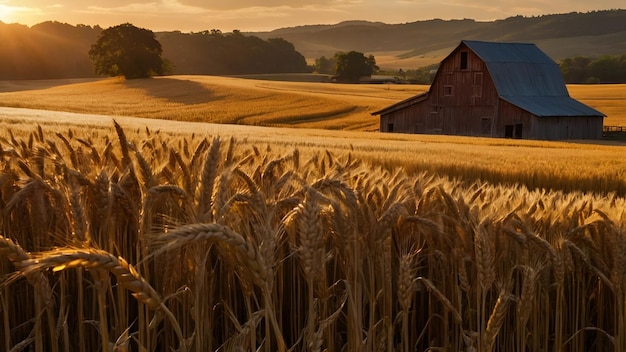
<point>529,79</point>
<point>508,52</point>
<point>552,106</point>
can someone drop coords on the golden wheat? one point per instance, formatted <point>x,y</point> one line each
<point>257,245</point>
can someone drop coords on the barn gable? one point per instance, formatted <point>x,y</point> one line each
<point>498,90</point>
<point>528,78</point>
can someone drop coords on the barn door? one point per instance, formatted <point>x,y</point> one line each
<point>441,118</point>
<point>435,124</point>
<point>513,131</point>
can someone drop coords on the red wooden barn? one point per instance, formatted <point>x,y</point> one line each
<point>511,90</point>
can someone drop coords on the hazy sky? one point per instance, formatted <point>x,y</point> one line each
<point>256,15</point>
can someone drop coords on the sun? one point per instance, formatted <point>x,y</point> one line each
<point>6,14</point>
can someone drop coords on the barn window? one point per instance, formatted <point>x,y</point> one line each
<point>463,60</point>
<point>447,90</point>
<point>390,127</point>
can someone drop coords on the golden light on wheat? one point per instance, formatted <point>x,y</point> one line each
<point>117,239</point>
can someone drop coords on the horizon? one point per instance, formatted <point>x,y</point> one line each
<point>251,16</point>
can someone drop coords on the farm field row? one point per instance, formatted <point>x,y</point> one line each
<point>249,101</point>
<point>203,237</point>
<point>590,166</point>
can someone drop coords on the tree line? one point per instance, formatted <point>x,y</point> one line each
<point>216,53</point>
<point>48,50</point>
<point>53,50</point>
<point>604,69</point>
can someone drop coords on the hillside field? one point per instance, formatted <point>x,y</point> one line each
<point>249,101</point>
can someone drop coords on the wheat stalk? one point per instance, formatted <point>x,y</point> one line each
<point>496,320</point>
<point>17,255</point>
<point>99,260</point>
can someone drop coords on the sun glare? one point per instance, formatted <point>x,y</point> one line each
<point>6,14</point>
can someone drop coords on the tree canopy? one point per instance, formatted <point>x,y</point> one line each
<point>128,51</point>
<point>351,66</point>
<point>325,65</point>
<point>605,69</point>
<point>216,53</point>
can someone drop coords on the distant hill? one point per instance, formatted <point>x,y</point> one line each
<point>560,35</point>
<point>58,50</point>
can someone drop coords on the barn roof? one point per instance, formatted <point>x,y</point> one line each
<point>529,79</point>
<point>524,76</point>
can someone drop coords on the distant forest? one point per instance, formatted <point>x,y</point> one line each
<point>605,69</point>
<point>53,50</point>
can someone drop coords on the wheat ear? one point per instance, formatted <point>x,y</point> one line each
<point>496,320</point>
<point>244,251</point>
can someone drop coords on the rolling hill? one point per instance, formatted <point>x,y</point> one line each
<point>589,34</point>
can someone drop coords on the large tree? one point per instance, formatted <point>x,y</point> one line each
<point>129,51</point>
<point>351,66</point>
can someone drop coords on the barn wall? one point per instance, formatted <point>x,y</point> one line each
<point>460,101</point>
<point>578,127</point>
<point>469,87</point>
<point>510,116</point>
<point>546,128</point>
<point>405,120</point>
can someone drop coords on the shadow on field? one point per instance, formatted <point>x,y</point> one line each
<point>23,85</point>
<point>173,90</point>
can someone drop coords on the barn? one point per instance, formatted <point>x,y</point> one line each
<point>492,89</point>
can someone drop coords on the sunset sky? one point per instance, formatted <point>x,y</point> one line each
<point>255,15</point>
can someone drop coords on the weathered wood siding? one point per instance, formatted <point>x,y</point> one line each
<point>463,100</point>
<point>547,128</point>
<point>579,127</point>
<point>510,115</point>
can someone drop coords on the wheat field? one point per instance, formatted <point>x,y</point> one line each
<point>248,101</point>
<point>122,238</point>
<point>156,235</point>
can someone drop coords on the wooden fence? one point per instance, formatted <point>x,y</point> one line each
<point>614,132</point>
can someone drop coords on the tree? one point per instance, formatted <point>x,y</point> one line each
<point>128,51</point>
<point>351,66</point>
<point>575,70</point>
<point>605,68</point>
<point>325,65</point>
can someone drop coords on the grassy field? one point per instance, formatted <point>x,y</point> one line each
<point>250,102</point>
<point>155,234</point>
